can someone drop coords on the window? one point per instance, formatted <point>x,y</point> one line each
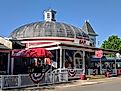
<point>48,15</point>
<point>53,15</point>
<point>78,61</point>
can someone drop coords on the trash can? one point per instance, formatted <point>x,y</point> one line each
<point>82,76</point>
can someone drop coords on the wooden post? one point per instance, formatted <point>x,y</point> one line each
<point>83,62</point>
<point>60,57</point>
<point>8,65</point>
<point>63,58</point>
<point>12,64</point>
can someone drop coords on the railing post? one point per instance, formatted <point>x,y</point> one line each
<point>2,81</point>
<point>66,76</point>
<point>53,78</point>
<point>19,80</point>
<point>46,75</point>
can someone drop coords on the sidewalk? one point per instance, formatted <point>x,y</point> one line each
<point>66,85</point>
<point>71,84</point>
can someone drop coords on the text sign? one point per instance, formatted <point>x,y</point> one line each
<point>99,54</point>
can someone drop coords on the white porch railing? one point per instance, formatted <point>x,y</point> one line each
<point>24,80</point>
<point>72,73</point>
<point>17,81</point>
<point>91,71</point>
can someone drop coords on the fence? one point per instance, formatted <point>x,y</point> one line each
<point>91,71</point>
<point>24,80</point>
<point>18,81</point>
<point>72,73</point>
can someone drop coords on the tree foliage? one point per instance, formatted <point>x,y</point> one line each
<point>113,42</point>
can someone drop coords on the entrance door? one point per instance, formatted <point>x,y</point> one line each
<point>78,60</point>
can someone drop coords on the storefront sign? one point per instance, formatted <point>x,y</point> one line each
<point>82,41</point>
<point>99,54</point>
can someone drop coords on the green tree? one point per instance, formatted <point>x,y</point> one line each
<point>113,42</point>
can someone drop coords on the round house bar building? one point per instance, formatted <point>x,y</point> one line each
<point>70,46</point>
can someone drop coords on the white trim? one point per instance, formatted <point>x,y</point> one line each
<point>36,41</point>
<point>57,43</point>
<point>46,38</point>
<point>57,57</point>
<point>61,57</point>
<point>43,45</point>
<point>78,52</point>
<point>53,48</point>
<point>64,47</point>
<point>61,42</point>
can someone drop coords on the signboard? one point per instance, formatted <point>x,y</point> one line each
<point>82,41</point>
<point>99,54</point>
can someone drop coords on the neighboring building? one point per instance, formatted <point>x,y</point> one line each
<point>5,49</point>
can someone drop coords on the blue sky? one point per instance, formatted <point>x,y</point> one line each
<point>103,15</point>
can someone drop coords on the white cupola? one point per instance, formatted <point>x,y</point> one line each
<point>49,15</point>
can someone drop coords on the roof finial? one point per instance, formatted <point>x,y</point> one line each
<point>87,20</point>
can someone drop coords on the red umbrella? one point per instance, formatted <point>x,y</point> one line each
<point>37,52</point>
<point>33,53</point>
<point>19,53</point>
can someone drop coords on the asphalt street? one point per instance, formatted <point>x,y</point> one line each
<point>113,85</point>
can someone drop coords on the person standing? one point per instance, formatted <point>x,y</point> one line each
<point>47,63</point>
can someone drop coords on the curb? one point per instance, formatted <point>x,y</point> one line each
<point>86,82</point>
<point>79,84</point>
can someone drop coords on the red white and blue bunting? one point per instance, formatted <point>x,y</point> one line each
<point>36,77</point>
<point>71,72</point>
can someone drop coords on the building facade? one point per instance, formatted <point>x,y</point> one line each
<point>71,46</point>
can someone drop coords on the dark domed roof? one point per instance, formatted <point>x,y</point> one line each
<point>47,29</point>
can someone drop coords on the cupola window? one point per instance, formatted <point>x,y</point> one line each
<point>49,15</point>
